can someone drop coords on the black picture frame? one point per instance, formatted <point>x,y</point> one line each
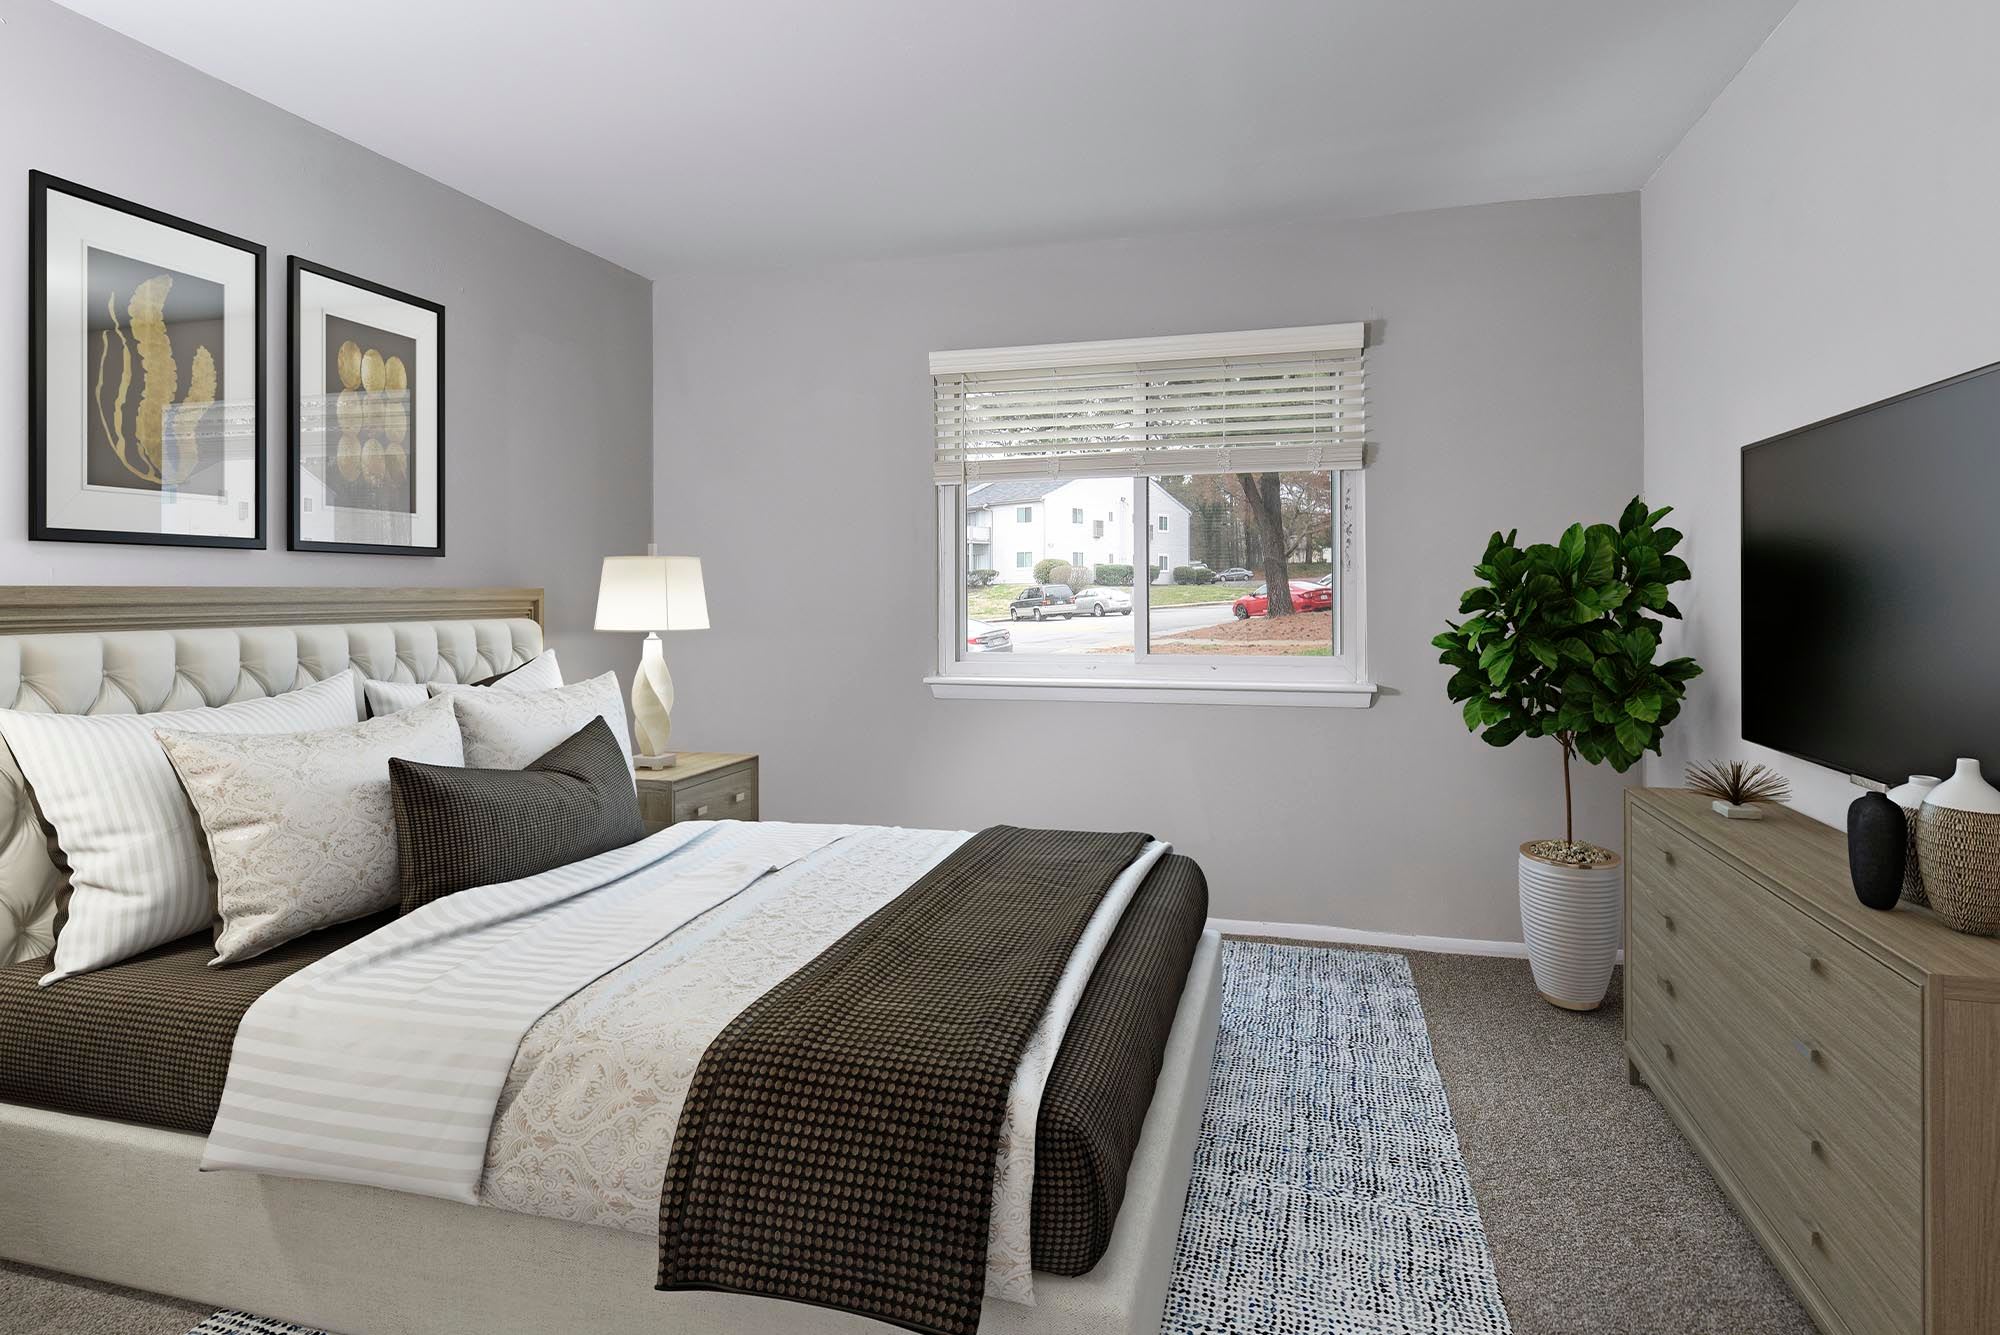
<point>296,266</point>
<point>40,185</point>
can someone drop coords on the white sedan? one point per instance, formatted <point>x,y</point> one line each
<point>1096,602</point>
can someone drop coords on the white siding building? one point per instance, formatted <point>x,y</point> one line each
<point>1009,526</point>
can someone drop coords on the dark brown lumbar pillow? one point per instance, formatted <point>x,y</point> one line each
<point>458,828</point>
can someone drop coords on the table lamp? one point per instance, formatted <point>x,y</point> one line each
<point>652,593</point>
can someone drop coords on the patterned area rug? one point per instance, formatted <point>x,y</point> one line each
<point>1329,1196</point>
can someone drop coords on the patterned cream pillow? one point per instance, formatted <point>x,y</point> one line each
<point>506,730</point>
<point>301,827</point>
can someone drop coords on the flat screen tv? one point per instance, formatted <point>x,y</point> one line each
<point>1871,584</point>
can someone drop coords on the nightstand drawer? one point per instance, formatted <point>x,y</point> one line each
<point>730,795</point>
<point>704,786</point>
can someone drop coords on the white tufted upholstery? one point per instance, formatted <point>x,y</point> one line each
<point>150,671</point>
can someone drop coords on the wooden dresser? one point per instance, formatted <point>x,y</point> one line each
<point>705,785</point>
<point>1837,1068</point>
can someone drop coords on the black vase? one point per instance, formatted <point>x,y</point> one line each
<point>1876,849</point>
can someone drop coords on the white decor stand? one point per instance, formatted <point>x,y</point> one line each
<point>1737,810</point>
<point>1572,919</point>
<point>652,704</point>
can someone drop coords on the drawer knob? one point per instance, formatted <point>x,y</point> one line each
<point>1668,919</point>
<point>740,797</point>
<point>1818,1241</point>
<point>701,810</point>
<point>1818,1150</point>
<point>1666,985</point>
<point>1816,964</point>
<point>1667,856</point>
<point>1808,1051</point>
<point>1668,1048</point>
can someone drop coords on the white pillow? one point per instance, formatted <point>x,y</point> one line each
<point>508,729</point>
<point>540,673</point>
<point>301,826</point>
<point>135,853</point>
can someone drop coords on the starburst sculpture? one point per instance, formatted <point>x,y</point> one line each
<point>1739,783</point>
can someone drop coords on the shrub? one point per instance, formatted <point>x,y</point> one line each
<point>1045,570</point>
<point>979,579</point>
<point>1193,575</point>
<point>1115,576</point>
<point>1080,577</point>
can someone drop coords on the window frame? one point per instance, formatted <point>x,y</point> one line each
<point>1339,680</point>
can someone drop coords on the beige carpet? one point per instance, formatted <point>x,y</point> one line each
<point>1601,1220</point>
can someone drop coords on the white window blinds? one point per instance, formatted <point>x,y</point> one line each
<point>1275,400</point>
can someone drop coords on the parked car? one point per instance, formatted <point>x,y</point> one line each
<point>1306,597</point>
<point>1038,602</point>
<point>985,638</point>
<point>1096,602</point>
<point>1235,575</point>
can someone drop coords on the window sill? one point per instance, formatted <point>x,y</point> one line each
<point>1318,695</point>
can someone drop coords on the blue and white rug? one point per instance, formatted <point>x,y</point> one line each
<point>1329,1196</point>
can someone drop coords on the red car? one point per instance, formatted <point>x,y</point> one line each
<point>1307,596</point>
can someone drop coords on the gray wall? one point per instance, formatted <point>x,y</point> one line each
<point>548,451</point>
<point>1822,239</point>
<point>793,416</point>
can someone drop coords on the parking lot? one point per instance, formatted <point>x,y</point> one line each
<point>1086,634</point>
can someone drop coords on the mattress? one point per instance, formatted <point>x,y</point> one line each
<point>149,1040</point>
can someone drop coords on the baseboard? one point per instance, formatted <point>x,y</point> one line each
<point>1348,936</point>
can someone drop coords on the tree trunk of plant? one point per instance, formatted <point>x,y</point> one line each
<point>1569,810</point>
<point>1262,497</point>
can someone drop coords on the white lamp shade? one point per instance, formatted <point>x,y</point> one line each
<point>651,593</point>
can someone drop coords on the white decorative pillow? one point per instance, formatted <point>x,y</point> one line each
<point>137,871</point>
<point>540,673</point>
<point>506,730</point>
<point>393,697</point>
<point>302,827</point>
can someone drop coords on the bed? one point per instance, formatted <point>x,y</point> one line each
<point>101,1170</point>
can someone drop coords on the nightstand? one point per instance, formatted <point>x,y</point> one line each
<point>705,785</point>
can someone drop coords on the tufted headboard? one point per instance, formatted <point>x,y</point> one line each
<point>117,650</point>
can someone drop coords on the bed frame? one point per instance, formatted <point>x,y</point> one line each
<point>125,1204</point>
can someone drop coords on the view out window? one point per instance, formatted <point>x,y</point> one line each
<point>1227,469</point>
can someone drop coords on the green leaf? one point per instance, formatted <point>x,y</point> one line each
<point>1633,735</point>
<point>1652,595</point>
<point>1503,732</point>
<point>1645,706</point>
<point>1573,546</point>
<point>1544,652</point>
<point>1600,561</point>
<point>1659,514</point>
<point>1474,713</point>
<point>1633,517</point>
<point>1500,664</point>
<point>1447,640</point>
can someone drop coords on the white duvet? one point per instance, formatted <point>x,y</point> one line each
<point>529,1046</point>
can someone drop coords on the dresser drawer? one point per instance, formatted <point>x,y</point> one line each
<point>728,795</point>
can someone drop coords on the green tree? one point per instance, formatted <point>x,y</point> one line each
<point>1559,642</point>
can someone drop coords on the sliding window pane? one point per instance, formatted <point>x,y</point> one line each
<point>1222,543</point>
<point>1049,567</point>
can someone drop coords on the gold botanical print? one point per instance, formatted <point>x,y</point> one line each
<point>372,417</point>
<point>161,444</point>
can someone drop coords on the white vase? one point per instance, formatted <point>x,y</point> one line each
<point>1909,795</point>
<point>1573,920</point>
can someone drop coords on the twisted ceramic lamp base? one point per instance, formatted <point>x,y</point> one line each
<point>652,702</point>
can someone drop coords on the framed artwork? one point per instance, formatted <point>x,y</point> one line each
<point>145,374</point>
<point>367,408</point>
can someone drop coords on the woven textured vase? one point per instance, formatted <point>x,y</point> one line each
<point>1958,843</point>
<point>1910,797</point>
<point>1573,920</point>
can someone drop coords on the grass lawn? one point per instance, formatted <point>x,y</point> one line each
<point>990,603</point>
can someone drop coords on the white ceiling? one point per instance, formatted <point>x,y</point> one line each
<point>661,133</point>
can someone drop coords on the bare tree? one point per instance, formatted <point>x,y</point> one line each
<point>1263,497</point>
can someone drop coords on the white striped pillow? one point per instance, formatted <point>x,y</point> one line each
<point>137,872</point>
<point>540,673</point>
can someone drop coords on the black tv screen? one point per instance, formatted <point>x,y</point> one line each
<point>1871,584</point>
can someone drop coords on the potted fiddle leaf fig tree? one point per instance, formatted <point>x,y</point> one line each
<point>1559,642</point>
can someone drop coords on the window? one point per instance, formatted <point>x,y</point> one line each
<point>1024,514</point>
<point>1208,455</point>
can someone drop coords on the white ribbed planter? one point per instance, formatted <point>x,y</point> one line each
<point>1572,919</point>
